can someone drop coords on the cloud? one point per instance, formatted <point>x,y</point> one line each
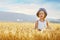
<point>20,1</point>
<point>5,1</point>
<point>21,8</point>
<point>31,8</point>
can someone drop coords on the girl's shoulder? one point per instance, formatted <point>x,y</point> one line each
<point>46,21</point>
<point>37,21</point>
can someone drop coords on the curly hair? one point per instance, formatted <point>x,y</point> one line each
<point>41,9</point>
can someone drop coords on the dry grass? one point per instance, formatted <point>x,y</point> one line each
<point>26,31</point>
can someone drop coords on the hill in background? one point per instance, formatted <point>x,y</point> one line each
<point>14,17</point>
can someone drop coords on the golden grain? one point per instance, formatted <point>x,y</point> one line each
<point>26,31</point>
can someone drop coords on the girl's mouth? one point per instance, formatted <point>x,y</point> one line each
<point>41,16</point>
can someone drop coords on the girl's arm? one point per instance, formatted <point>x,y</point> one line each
<point>36,24</point>
<point>47,24</point>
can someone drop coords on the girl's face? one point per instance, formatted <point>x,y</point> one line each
<point>41,15</point>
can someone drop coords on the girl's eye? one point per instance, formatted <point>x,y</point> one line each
<point>41,13</point>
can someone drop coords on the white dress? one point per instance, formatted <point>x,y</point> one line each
<point>42,25</point>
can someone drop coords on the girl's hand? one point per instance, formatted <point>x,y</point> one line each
<point>39,29</point>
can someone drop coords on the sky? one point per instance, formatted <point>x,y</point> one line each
<point>31,7</point>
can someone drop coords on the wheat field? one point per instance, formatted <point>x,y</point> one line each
<point>26,31</point>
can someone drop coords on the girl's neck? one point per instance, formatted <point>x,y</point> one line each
<point>42,20</point>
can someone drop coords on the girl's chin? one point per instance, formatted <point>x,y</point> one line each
<point>41,18</point>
